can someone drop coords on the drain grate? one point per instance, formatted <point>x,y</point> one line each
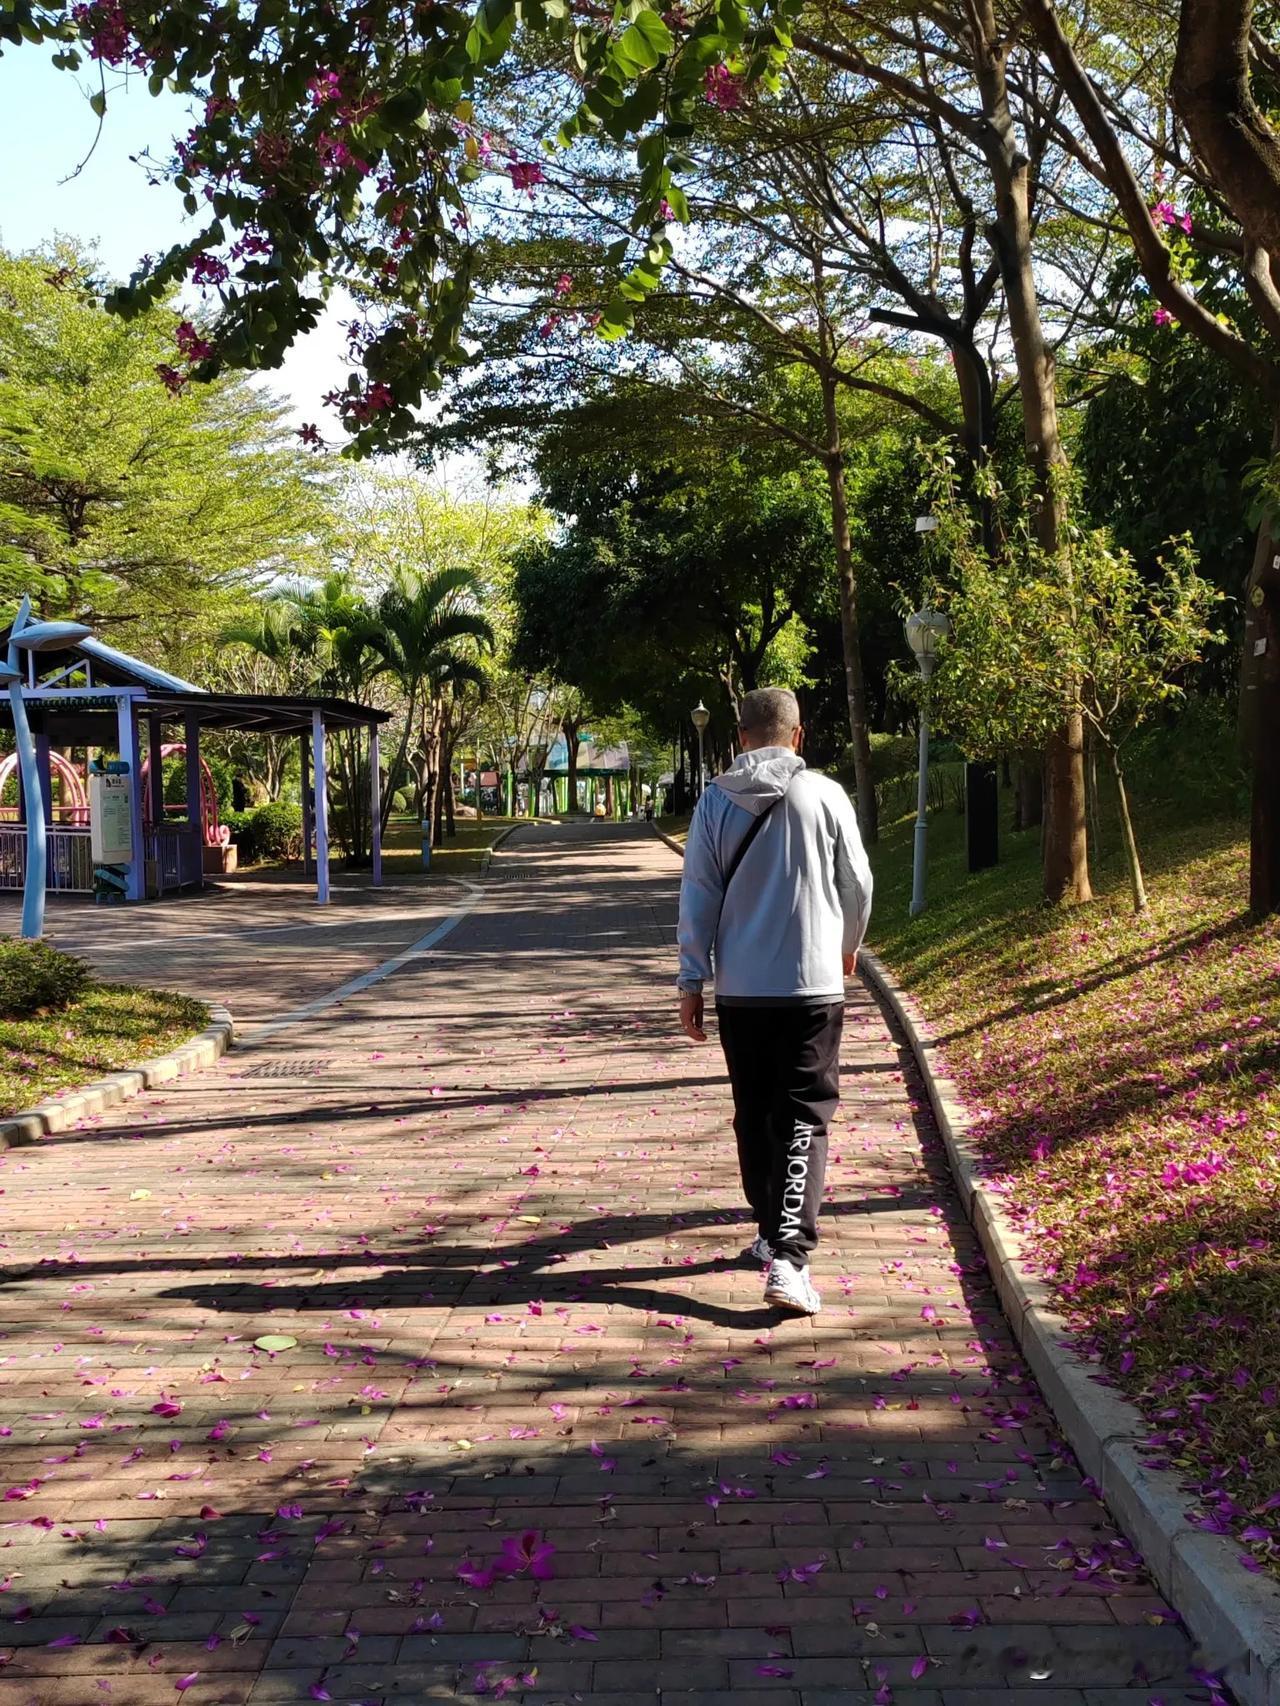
<point>291,1068</point>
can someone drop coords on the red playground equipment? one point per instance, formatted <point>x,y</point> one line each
<point>72,811</point>
<point>214,834</point>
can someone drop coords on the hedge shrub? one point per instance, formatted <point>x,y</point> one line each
<point>271,832</point>
<point>35,977</point>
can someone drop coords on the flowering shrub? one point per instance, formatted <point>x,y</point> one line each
<point>1125,1075</point>
<point>346,159</point>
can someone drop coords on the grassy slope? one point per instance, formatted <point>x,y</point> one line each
<point>1125,1074</point>
<point>109,1027</point>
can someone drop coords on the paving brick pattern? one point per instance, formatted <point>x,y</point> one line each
<point>258,942</point>
<point>500,1218</point>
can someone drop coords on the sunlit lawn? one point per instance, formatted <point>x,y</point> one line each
<point>108,1027</point>
<point>1124,1071</point>
<point>457,856</point>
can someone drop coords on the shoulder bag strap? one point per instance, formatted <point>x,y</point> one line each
<point>744,846</point>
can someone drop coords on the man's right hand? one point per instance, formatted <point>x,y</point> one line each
<point>691,1018</point>
<point>850,964</point>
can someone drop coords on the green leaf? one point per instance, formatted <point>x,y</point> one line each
<point>678,202</point>
<point>275,1342</point>
<point>404,107</point>
<point>98,102</point>
<point>645,42</point>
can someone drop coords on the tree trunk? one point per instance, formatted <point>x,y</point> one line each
<point>1136,884</point>
<point>1029,793</point>
<point>572,741</point>
<point>450,805</point>
<point>977,409</point>
<point>393,775</point>
<point>431,768</point>
<point>1259,711</point>
<point>1260,715</point>
<point>855,681</point>
<point>1091,785</point>
<point>1066,856</point>
<point>1212,94</point>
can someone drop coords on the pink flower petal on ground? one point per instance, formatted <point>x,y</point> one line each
<point>188,1681</point>
<point>525,1551</point>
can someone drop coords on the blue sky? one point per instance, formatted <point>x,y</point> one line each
<point>47,128</point>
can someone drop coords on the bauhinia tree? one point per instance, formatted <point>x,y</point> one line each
<point>1129,90</point>
<point>1029,645</point>
<point>333,148</point>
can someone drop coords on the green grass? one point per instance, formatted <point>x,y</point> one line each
<point>108,1027</point>
<point>459,855</point>
<point>1124,1074</point>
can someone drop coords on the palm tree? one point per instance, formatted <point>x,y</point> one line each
<point>421,629</point>
<point>322,634</point>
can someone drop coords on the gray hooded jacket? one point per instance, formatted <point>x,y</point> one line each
<point>800,899</point>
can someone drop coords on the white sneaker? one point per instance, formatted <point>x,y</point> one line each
<point>760,1251</point>
<point>790,1288</point>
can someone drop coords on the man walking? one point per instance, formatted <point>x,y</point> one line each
<point>777,891</point>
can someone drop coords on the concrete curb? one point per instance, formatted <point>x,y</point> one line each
<point>1233,1615</point>
<point>675,846</point>
<point>486,858</point>
<point>61,1113</point>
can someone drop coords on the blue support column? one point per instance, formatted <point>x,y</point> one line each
<point>195,814</point>
<point>45,768</point>
<point>308,828</point>
<point>322,808</point>
<point>127,741</point>
<point>375,803</point>
<point>155,775</point>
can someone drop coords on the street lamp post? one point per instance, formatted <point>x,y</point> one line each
<point>700,717</point>
<point>924,628</point>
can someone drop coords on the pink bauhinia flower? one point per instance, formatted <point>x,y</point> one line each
<point>525,175</point>
<point>526,1552</point>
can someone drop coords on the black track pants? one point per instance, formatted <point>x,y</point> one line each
<point>784,1065</point>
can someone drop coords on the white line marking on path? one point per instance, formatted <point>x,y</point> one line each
<point>367,979</point>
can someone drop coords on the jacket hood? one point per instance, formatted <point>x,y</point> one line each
<point>756,779</point>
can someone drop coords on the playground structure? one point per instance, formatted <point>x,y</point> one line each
<point>214,835</point>
<point>69,693</point>
<point>71,811</point>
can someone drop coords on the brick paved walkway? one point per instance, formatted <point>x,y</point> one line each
<point>258,942</point>
<point>500,1219</point>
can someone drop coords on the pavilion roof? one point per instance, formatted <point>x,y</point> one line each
<point>77,713</point>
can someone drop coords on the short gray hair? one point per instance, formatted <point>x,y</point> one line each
<point>769,715</point>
